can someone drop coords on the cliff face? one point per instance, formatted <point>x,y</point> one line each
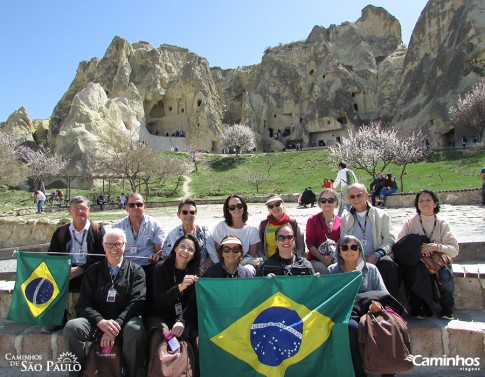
<point>446,51</point>
<point>309,91</point>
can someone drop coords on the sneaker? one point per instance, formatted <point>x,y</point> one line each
<point>417,314</point>
<point>446,314</point>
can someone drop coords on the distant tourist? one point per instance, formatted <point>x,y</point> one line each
<point>482,172</point>
<point>40,197</point>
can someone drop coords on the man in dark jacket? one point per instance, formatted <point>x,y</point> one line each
<point>80,237</point>
<point>111,301</point>
<point>375,187</point>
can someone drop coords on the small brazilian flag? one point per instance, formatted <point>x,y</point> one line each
<point>41,288</point>
<point>276,326</point>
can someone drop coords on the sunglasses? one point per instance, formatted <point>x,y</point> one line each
<point>325,200</point>
<point>271,206</point>
<point>117,245</point>
<point>352,247</point>
<point>185,212</point>
<point>228,249</point>
<point>359,195</point>
<point>282,238</point>
<point>188,249</point>
<point>133,205</point>
<point>238,206</point>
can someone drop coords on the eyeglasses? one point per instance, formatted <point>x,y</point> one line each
<point>359,195</point>
<point>324,200</point>
<point>238,206</point>
<point>114,245</point>
<point>228,249</point>
<point>188,249</point>
<point>352,247</point>
<point>289,237</point>
<point>137,204</point>
<point>277,204</point>
<point>185,212</point>
<point>80,209</point>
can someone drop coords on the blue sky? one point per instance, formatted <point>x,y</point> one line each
<point>44,41</point>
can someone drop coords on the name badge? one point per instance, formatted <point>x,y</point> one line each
<point>363,241</point>
<point>178,308</point>
<point>111,295</point>
<point>133,249</point>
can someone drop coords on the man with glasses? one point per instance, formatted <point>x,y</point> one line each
<point>144,237</point>
<point>187,212</point>
<point>111,301</point>
<point>80,238</point>
<point>372,226</point>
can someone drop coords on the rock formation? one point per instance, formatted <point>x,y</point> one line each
<point>308,92</point>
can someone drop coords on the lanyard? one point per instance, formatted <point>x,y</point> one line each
<point>327,231</point>
<point>356,218</point>
<point>136,234</point>
<point>82,239</point>
<point>422,227</point>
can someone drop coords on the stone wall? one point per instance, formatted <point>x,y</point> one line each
<point>455,197</point>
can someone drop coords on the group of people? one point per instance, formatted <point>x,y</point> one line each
<point>134,278</point>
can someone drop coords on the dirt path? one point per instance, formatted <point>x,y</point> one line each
<point>185,187</point>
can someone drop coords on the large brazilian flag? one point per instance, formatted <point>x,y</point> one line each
<point>41,288</point>
<point>276,326</point>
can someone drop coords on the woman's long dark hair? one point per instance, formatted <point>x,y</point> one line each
<point>227,213</point>
<point>433,196</point>
<point>193,266</point>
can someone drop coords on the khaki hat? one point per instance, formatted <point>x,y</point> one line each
<point>231,239</point>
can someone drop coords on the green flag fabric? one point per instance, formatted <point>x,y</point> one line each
<point>41,289</point>
<point>276,326</point>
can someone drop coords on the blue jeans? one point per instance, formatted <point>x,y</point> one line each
<point>40,206</point>
<point>385,191</point>
<point>446,286</point>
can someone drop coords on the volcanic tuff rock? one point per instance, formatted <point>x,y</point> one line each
<point>309,91</point>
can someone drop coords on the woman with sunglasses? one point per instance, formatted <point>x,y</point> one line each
<point>285,261</point>
<point>174,307</point>
<point>187,212</point>
<point>230,253</point>
<point>350,258</point>
<point>235,222</point>
<point>322,231</point>
<point>276,218</point>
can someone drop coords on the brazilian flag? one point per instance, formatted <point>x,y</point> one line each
<point>41,288</point>
<point>276,326</point>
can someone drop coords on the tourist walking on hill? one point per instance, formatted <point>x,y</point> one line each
<point>40,197</point>
<point>345,177</point>
<point>187,212</point>
<point>235,222</point>
<point>276,218</point>
<point>323,231</point>
<point>438,239</point>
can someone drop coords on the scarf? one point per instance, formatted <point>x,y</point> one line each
<point>284,219</point>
